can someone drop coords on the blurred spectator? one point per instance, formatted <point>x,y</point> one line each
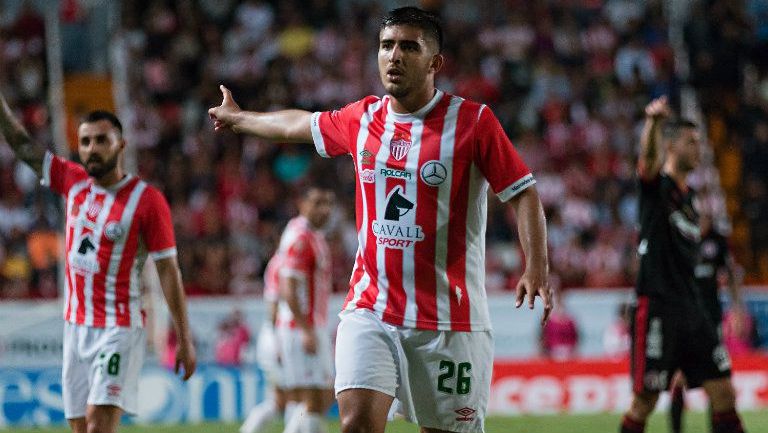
<point>568,80</point>
<point>739,330</point>
<point>233,338</point>
<point>616,337</point>
<point>559,336</point>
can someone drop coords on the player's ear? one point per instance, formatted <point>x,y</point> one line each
<point>437,62</point>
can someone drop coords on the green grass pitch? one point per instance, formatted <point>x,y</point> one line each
<point>755,422</point>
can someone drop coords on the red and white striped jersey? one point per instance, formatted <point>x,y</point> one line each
<point>109,233</point>
<point>421,205</point>
<point>304,255</point>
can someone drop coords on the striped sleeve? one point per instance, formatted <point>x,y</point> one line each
<point>497,158</point>
<point>331,129</point>
<point>157,226</point>
<point>60,174</point>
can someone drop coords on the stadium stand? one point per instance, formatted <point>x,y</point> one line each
<point>567,79</point>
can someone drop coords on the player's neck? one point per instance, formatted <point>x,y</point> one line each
<point>679,176</point>
<point>413,101</point>
<point>110,178</point>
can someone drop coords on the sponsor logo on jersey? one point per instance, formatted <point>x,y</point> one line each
<point>366,156</point>
<point>113,231</point>
<point>368,175</point>
<point>390,232</point>
<point>114,390</point>
<point>84,261</point>
<point>393,172</point>
<point>465,414</point>
<point>433,173</point>
<point>399,145</point>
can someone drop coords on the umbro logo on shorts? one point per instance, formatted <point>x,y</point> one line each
<point>465,414</point>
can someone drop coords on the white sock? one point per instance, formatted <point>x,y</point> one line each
<point>314,423</point>
<point>259,416</point>
<point>293,425</point>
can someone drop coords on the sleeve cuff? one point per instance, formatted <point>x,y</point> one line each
<point>47,160</point>
<point>317,135</point>
<point>516,188</point>
<point>163,254</point>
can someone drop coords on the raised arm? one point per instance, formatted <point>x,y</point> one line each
<point>170,281</point>
<point>289,126</point>
<point>18,138</point>
<point>651,155</point>
<point>532,231</point>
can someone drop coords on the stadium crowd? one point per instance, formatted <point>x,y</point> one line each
<point>567,79</point>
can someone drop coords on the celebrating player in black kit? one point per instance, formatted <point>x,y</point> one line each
<point>671,329</point>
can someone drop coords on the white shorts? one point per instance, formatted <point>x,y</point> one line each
<point>268,356</point>
<point>441,379</point>
<point>300,369</point>
<point>101,367</point>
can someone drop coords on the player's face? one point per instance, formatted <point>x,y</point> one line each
<point>99,147</point>
<point>316,207</point>
<point>406,59</point>
<point>686,148</point>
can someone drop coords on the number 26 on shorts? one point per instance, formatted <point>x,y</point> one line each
<point>454,377</point>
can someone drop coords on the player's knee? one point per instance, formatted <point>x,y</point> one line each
<point>94,426</point>
<point>357,423</point>
<point>643,404</point>
<point>722,396</point>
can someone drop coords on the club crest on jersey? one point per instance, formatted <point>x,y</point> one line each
<point>93,210</point>
<point>433,173</point>
<point>113,231</point>
<point>399,145</point>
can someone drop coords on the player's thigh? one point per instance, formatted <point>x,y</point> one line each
<point>363,409</point>
<point>449,378</point>
<point>655,347</point>
<point>116,369</point>
<point>366,354</point>
<point>75,377</point>
<point>705,358</point>
<point>300,369</point>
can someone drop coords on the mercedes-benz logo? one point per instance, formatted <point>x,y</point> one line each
<point>433,173</point>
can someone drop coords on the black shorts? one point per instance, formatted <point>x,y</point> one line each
<point>666,338</point>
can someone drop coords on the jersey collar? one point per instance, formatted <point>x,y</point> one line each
<point>419,114</point>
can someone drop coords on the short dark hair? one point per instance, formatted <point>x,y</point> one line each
<point>672,128</point>
<point>98,115</point>
<point>428,22</point>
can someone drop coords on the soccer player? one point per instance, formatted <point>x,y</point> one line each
<point>415,324</point>
<point>304,276</point>
<point>268,356</point>
<point>671,329</point>
<point>714,257</point>
<point>114,221</point>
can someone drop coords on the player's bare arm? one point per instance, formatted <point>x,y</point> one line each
<point>289,291</point>
<point>651,154</point>
<point>26,149</point>
<point>170,281</point>
<point>735,277</point>
<point>286,126</point>
<point>532,231</point>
